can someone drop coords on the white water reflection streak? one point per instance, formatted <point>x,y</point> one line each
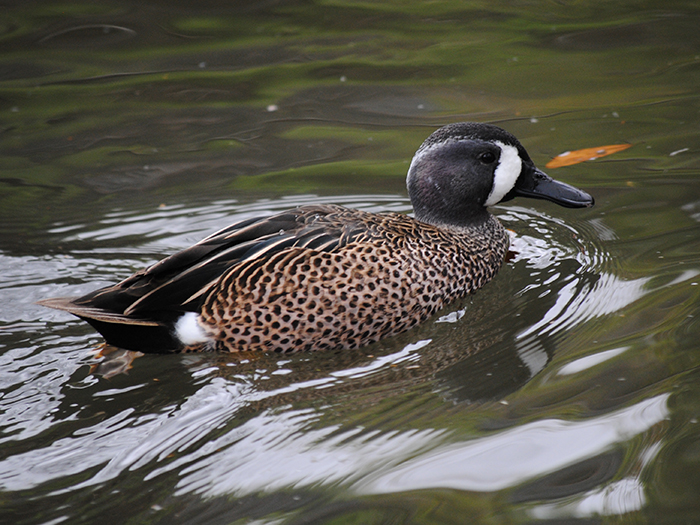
<point>515,456</point>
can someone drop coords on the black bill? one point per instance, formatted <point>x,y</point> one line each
<point>536,184</point>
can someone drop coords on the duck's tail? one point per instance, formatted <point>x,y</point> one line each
<point>123,331</point>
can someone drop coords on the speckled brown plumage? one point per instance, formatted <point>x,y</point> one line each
<point>393,274</point>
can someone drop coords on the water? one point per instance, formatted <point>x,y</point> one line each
<point>566,389</point>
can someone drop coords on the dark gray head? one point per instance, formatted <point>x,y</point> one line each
<point>462,168</point>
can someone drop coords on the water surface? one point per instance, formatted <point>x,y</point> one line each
<point>566,389</point>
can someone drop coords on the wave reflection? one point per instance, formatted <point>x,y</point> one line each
<point>517,455</point>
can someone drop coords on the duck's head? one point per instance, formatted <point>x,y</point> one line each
<point>463,168</point>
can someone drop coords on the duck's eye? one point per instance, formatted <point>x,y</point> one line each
<point>487,157</point>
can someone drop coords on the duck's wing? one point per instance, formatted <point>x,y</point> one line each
<point>179,283</point>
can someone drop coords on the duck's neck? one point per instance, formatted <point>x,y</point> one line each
<point>487,236</point>
<point>477,221</point>
<point>488,228</point>
<point>442,216</point>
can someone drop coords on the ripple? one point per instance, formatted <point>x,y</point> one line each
<point>571,262</point>
<point>33,382</point>
<point>514,456</point>
<point>544,241</point>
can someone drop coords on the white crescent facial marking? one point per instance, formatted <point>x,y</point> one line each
<point>504,178</point>
<point>189,332</point>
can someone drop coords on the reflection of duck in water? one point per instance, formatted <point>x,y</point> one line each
<point>320,277</point>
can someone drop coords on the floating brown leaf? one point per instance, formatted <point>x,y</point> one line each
<point>582,155</point>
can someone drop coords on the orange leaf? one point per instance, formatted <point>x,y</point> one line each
<point>582,155</point>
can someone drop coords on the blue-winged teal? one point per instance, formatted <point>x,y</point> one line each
<point>320,277</point>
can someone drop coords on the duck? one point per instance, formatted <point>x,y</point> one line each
<point>329,277</point>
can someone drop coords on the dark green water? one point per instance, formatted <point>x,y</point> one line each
<point>567,390</point>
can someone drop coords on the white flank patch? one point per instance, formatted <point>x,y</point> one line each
<point>189,332</point>
<point>506,174</point>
